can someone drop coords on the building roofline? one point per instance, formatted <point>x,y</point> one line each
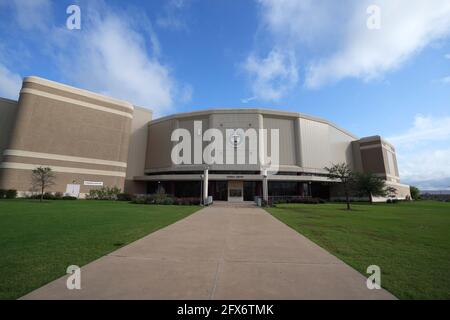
<point>82,92</point>
<point>8,100</point>
<point>376,138</point>
<point>272,112</point>
<point>143,109</point>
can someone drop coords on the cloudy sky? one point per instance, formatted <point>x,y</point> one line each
<point>315,57</point>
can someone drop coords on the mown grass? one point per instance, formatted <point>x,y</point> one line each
<point>410,242</point>
<point>38,241</point>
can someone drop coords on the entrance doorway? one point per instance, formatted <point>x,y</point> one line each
<point>235,191</point>
<point>252,189</point>
<point>218,190</point>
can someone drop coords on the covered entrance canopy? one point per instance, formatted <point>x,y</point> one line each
<point>235,188</point>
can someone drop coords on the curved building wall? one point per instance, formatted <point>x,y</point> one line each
<point>304,143</point>
<point>82,136</point>
<point>7,118</point>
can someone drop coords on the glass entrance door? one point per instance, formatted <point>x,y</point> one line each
<point>235,191</point>
<point>218,190</point>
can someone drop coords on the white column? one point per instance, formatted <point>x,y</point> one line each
<point>265,186</point>
<point>205,185</point>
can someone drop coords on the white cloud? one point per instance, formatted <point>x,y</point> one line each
<point>32,14</point>
<point>406,28</point>
<point>425,128</point>
<point>425,166</point>
<point>337,37</point>
<point>423,152</point>
<point>115,53</point>
<point>10,83</point>
<point>119,55</point>
<point>272,76</point>
<point>172,16</point>
<point>112,57</point>
<point>247,100</point>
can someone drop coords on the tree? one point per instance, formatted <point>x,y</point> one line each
<point>368,184</point>
<point>391,192</point>
<point>344,174</point>
<point>415,193</point>
<point>42,178</point>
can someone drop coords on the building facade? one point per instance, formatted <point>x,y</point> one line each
<point>90,140</point>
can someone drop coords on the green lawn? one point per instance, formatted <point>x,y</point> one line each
<point>38,241</point>
<point>410,242</point>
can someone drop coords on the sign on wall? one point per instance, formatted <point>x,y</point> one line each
<point>94,183</point>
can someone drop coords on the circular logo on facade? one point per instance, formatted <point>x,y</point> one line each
<point>236,138</point>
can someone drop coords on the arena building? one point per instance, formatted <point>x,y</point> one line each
<point>90,140</point>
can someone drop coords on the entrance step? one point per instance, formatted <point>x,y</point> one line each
<point>229,204</point>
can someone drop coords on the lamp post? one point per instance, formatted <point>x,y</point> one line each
<point>310,189</point>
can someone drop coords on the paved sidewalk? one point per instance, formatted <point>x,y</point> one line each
<point>219,252</point>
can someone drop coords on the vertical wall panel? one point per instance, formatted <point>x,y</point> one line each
<point>287,146</point>
<point>315,144</point>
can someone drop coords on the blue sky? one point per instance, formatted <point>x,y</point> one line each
<point>315,57</point>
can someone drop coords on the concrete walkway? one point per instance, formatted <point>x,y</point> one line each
<point>220,252</point>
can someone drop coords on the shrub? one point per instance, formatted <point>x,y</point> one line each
<point>104,193</point>
<point>58,195</point>
<point>2,193</point>
<point>124,197</point>
<point>11,194</point>
<point>68,198</point>
<point>139,199</point>
<point>48,196</point>
<point>164,199</point>
<point>168,201</point>
<point>415,192</point>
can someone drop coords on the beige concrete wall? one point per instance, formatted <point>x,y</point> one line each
<point>315,144</point>
<point>81,135</point>
<point>231,121</point>
<point>305,143</point>
<point>287,144</point>
<point>8,110</point>
<point>137,149</point>
<point>340,147</point>
<point>159,145</point>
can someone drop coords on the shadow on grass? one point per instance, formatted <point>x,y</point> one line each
<point>351,210</point>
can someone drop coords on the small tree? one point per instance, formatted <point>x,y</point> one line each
<point>368,184</point>
<point>42,178</point>
<point>391,191</point>
<point>344,174</point>
<point>415,193</point>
